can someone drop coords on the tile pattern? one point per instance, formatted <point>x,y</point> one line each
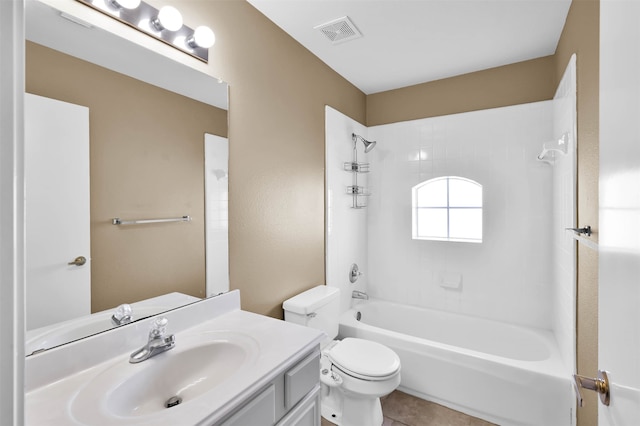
<point>496,148</point>
<point>401,409</point>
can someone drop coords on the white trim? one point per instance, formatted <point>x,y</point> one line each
<point>586,242</point>
<point>12,212</point>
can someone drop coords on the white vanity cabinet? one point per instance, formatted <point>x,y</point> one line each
<point>291,398</point>
<point>232,368</point>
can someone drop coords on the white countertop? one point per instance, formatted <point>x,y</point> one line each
<point>56,377</point>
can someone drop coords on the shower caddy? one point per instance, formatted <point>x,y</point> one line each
<point>359,193</point>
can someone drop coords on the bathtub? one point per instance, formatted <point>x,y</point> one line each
<point>505,374</point>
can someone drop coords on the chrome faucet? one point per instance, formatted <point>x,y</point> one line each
<point>359,295</point>
<point>157,343</point>
<point>122,314</point>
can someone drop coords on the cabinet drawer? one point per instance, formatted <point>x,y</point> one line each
<point>300,379</point>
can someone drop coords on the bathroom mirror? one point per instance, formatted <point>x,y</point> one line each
<point>148,116</point>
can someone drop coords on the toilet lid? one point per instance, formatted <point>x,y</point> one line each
<point>364,358</point>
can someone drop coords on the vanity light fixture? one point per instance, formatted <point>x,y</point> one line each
<point>124,4</point>
<point>168,18</point>
<point>202,37</point>
<point>165,24</point>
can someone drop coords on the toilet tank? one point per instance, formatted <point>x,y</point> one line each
<point>318,307</point>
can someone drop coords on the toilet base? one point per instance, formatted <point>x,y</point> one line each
<point>348,409</point>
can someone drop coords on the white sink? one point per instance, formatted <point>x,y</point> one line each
<point>198,364</point>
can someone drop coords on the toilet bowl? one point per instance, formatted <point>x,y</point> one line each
<point>354,373</point>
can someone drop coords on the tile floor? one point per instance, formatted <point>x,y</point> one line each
<point>401,409</point>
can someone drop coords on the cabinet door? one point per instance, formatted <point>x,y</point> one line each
<point>306,413</point>
<point>299,380</point>
<point>259,412</point>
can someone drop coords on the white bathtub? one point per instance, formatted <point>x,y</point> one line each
<point>501,373</point>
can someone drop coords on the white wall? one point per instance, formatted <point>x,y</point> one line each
<point>564,216</point>
<point>507,277</point>
<point>346,228</point>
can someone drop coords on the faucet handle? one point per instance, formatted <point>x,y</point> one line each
<point>122,314</point>
<point>158,327</point>
<point>354,273</point>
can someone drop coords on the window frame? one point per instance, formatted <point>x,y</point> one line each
<point>416,208</point>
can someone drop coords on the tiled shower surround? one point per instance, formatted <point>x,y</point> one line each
<point>512,275</point>
<point>507,276</point>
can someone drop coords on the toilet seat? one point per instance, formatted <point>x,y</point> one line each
<point>364,359</point>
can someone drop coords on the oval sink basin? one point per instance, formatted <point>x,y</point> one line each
<point>198,364</point>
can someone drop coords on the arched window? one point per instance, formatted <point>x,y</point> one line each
<point>447,209</point>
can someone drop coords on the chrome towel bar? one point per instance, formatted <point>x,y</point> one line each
<point>118,221</point>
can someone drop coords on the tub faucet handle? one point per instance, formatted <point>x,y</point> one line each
<point>355,273</point>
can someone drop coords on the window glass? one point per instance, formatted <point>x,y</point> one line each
<point>432,223</point>
<point>434,194</point>
<point>465,224</point>
<point>447,208</point>
<point>464,193</point>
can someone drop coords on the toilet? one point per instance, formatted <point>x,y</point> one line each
<point>354,373</point>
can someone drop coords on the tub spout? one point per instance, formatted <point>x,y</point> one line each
<point>359,295</point>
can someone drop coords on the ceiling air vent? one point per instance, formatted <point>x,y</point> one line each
<point>339,30</point>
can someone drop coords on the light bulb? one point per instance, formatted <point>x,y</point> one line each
<point>169,18</point>
<point>126,4</point>
<point>202,37</point>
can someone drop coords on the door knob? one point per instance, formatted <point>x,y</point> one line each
<point>599,384</point>
<point>78,261</point>
<point>586,230</point>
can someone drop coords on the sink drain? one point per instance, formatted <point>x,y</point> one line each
<point>173,401</point>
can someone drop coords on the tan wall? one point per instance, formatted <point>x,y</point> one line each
<point>581,36</point>
<point>519,83</point>
<point>278,91</point>
<point>147,161</point>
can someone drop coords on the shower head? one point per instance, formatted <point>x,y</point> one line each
<point>368,145</point>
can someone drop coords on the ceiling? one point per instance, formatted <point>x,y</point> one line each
<point>407,42</point>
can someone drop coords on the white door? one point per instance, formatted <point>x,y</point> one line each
<point>619,280</point>
<point>216,189</point>
<point>57,211</point>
